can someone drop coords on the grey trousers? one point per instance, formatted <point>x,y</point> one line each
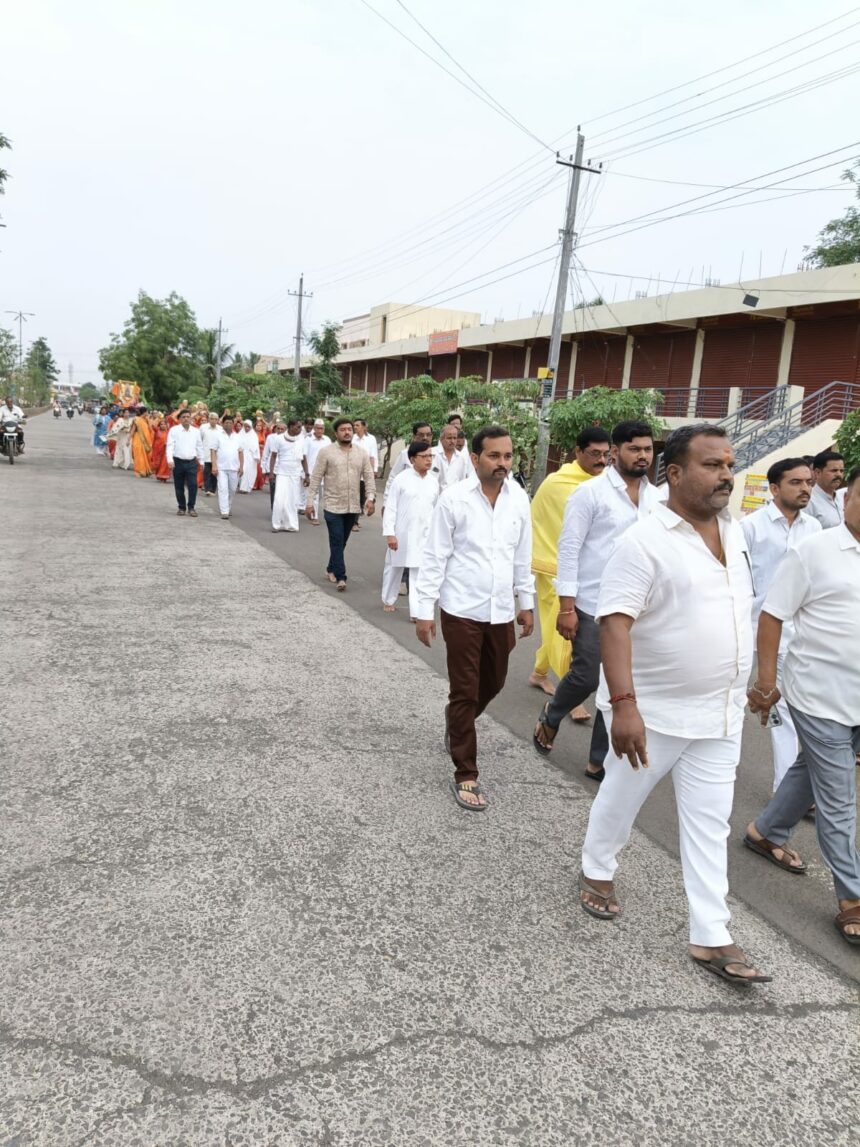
<point>580,682</point>
<point>823,774</point>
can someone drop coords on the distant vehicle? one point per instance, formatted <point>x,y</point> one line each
<point>9,444</point>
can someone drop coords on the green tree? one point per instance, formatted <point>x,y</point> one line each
<point>210,355</point>
<point>243,363</point>
<point>8,354</point>
<point>325,379</point>
<point>40,373</point>
<point>89,392</point>
<point>159,349</point>
<point>4,175</point>
<point>847,439</point>
<point>839,240</point>
<point>601,406</point>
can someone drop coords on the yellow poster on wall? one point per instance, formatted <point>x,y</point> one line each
<point>755,493</point>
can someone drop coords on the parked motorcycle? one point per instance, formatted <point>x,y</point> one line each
<point>9,444</point>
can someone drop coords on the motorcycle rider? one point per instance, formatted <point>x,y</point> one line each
<point>9,412</point>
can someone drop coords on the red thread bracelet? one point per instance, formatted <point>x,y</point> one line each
<point>622,697</point>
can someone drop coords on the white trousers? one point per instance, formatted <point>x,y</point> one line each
<point>228,480</point>
<point>392,575</point>
<point>122,454</point>
<point>703,774</point>
<point>783,738</point>
<point>285,509</point>
<point>249,475</point>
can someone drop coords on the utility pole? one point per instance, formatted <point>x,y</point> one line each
<point>299,294</point>
<point>218,355</point>
<point>567,241</point>
<point>21,318</point>
<point>71,378</point>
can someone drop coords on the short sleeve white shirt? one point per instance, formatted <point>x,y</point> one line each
<point>369,446</point>
<point>818,585</point>
<point>228,448</point>
<point>769,536</point>
<point>825,508</point>
<point>691,638</point>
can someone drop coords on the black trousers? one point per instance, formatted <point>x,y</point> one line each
<point>210,480</point>
<point>339,531</point>
<point>185,482</point>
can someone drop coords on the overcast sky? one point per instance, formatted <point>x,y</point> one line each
<point>220,148</point>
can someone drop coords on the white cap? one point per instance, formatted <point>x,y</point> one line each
<point>247,422</point>
<point>319,422</point>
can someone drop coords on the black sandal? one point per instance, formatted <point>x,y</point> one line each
<point>719,966</point>
<point>606,897</point>
<point>544,750</point>
<point>468,787</point>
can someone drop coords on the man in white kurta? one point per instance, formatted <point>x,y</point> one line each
<point>313,443</point>
<point>251,450</point>
<point>674,611</point>
<point>770,533</point>
<point>290,469</point>
<point>449,464</point>
<point>405,523</point>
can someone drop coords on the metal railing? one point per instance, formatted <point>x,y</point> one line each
<point>769,423</point>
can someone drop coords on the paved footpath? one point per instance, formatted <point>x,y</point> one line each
<point>240,906</point>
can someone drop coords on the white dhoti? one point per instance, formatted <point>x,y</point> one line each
<point>392,576</point>
<point>285,509</point>
<point>228,480</point>
<point>249,475</point>
<point>703,775</point>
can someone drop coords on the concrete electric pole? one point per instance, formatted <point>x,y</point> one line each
<point>218,355</point>
<point>300,294</point>
<point>567,240</point>
<point>21,318</point>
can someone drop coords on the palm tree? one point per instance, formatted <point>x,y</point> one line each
<point>210,359</point>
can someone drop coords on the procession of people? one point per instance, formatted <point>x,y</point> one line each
<point>651,598</point>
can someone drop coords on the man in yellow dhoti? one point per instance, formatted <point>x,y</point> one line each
<point>141,443</point>
<point>591,457</point>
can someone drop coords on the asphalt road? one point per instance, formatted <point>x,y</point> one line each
<point>240,907</point>
<point>800,907</point>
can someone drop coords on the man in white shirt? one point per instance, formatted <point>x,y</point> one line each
<point>367,442</point>
<point>405,524</point>
<point>449,465</point>
<point>828,468</point>
<point>209,435</point>
<point>289,467</point>
<point>676,635</point>
<point>817,587</point>
<point>421,432</point>
<point>11,412</point>
<point>184,452</point>
<point>596,515</point>
<point>770,533</point>
<point>315,440</point>
<point>227,459</point>
<point>267,462</point>
<point>476,561</point>
<point>251,451</point>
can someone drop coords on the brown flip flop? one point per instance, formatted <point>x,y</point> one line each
<point>766,849</point>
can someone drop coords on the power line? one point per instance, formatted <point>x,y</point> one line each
<point>713,186</point>
<point>741,185</point>
<point>726,83</point>
<point>724,68</point>
<point>490,101</point>
<point>637,148</point>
